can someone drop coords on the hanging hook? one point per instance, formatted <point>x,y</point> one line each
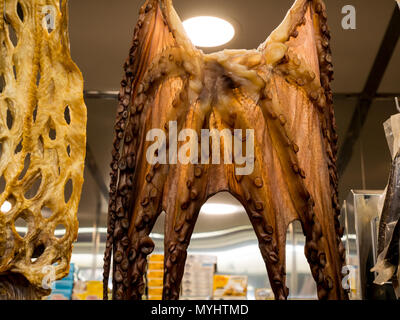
<point>396,100</point>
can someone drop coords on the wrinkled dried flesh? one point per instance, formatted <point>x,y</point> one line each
<point>389,230</point>
<point>43,148</point>
<point>282,91</point>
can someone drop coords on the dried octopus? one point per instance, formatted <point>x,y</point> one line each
<point>388,261</point>
<point>42,146</point>
<point>282,91</point>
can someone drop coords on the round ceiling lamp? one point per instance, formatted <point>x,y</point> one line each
<point>205,31</point>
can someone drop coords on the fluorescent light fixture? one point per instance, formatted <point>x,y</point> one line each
<point>209,32</point>
<point>91,230</point>
<point>220,209</point>
<point>6,207</point>
<point>212,234</point>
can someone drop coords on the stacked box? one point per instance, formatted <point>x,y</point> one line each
<point>230,287</point>
<point>155,275</point>
<point>197,282</point>
<point>88,290</point>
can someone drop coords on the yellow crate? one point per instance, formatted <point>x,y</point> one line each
<point>155,274</point>
<point>156,258</point>
<point>155,282</point>
<point>94,291</point>
<point>155,291</point>
<point>156,266</point>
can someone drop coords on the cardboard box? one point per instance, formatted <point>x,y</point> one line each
<point>230,286</point>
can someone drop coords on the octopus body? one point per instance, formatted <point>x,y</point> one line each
<point>282,92</point>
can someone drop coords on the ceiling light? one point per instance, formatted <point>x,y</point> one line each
<point>6,207</point>
<point>220,209</point>
<point>208,31</point>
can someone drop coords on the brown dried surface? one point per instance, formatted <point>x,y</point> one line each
<point>282,91</point>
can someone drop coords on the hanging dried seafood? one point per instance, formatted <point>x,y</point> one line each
<point>43,139</point>
<point>281,91</point>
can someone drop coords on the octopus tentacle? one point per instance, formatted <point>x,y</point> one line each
<point>282,92</point>
<point>181,217</point>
